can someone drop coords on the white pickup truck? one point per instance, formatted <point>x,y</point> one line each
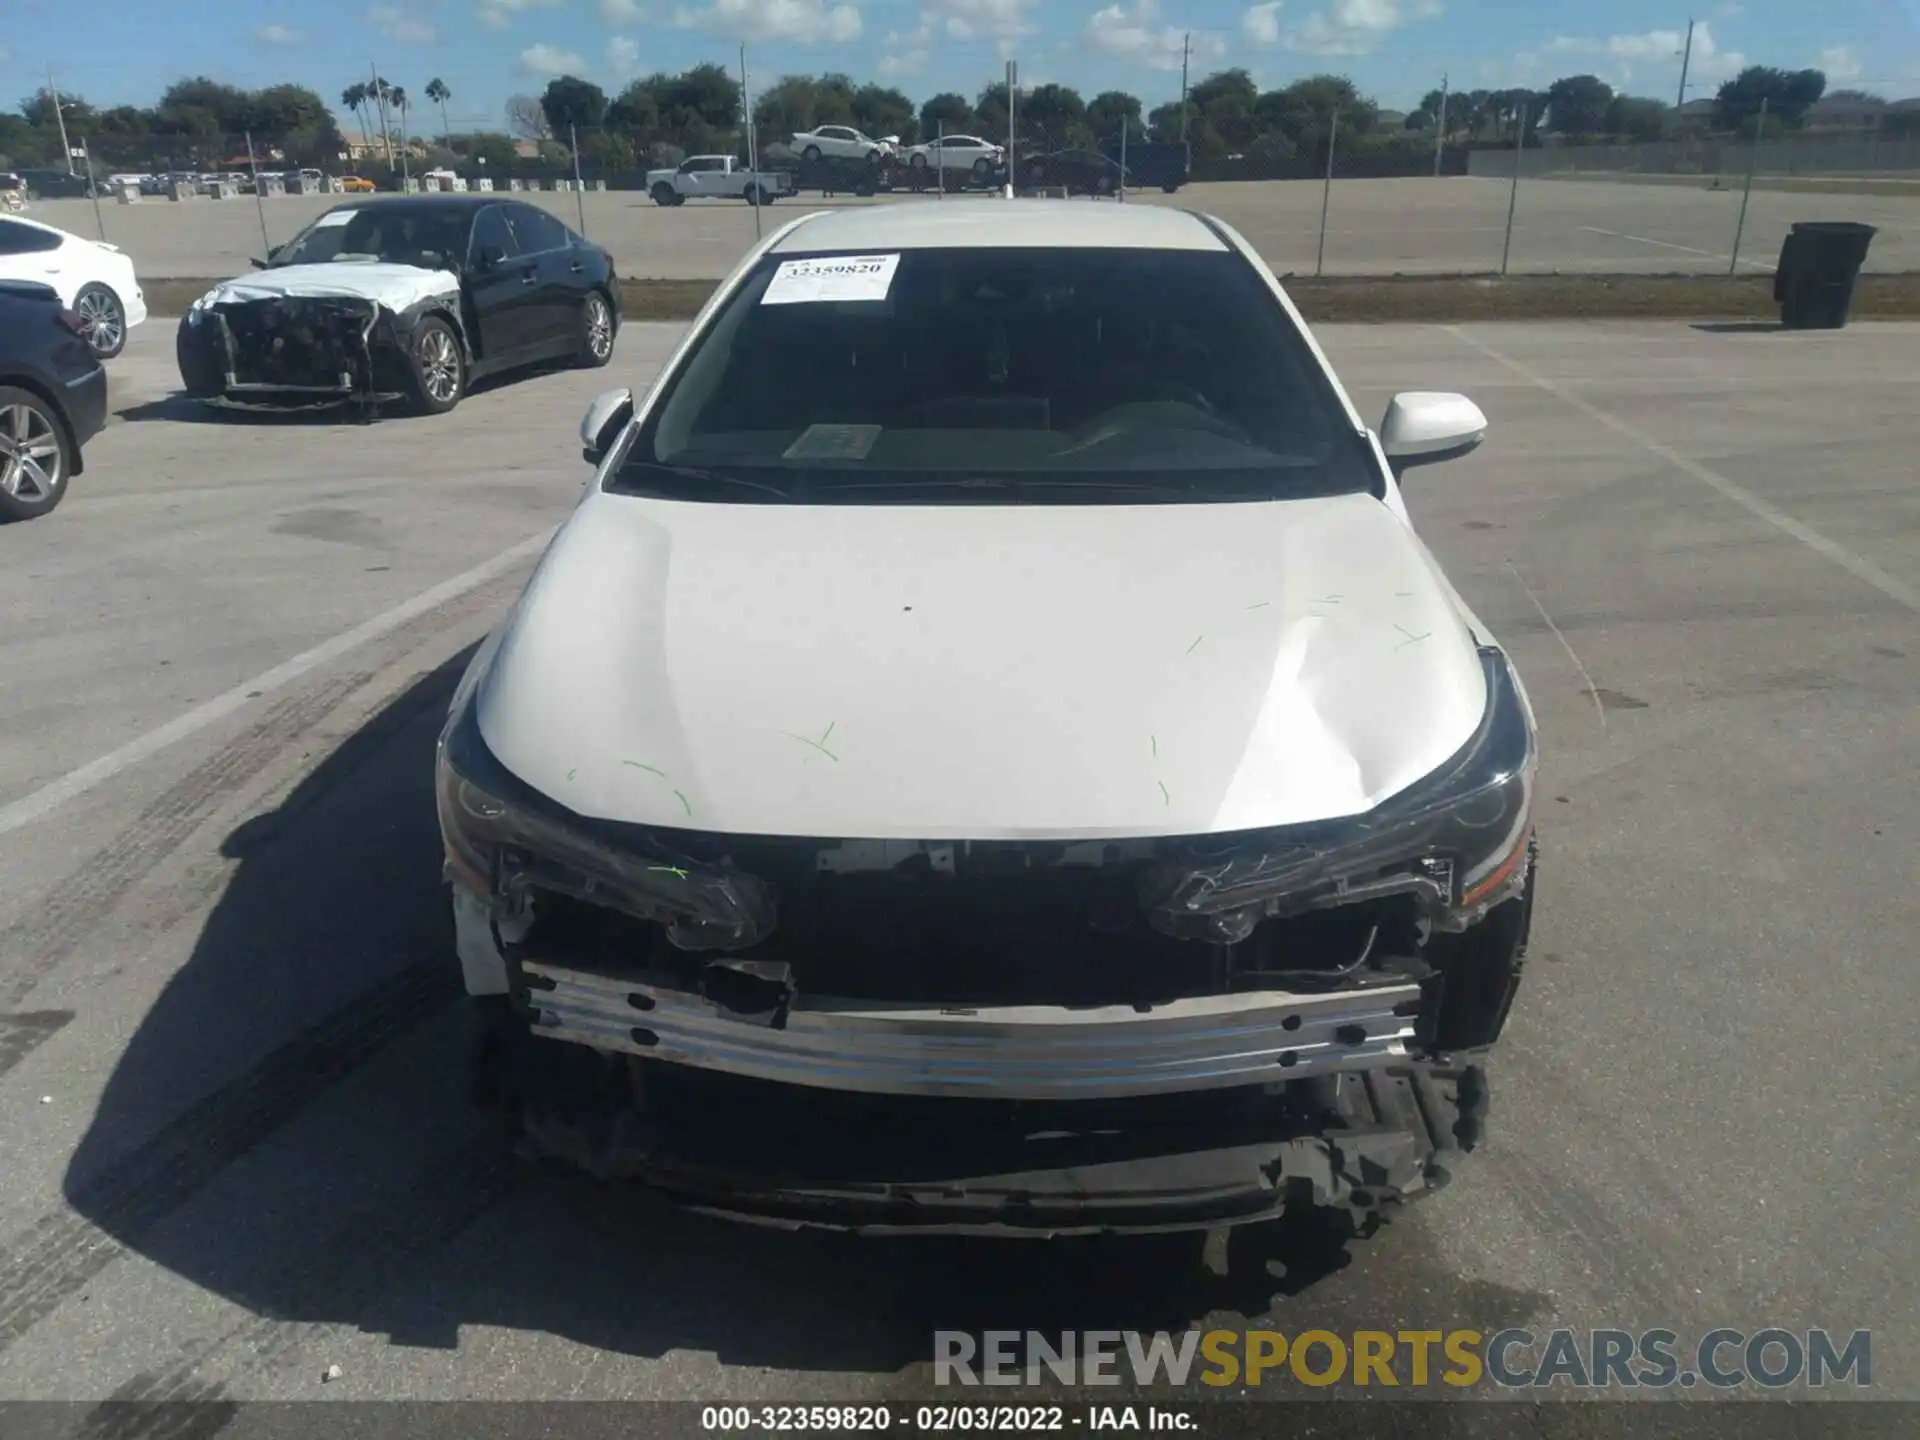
<point>716,175</point>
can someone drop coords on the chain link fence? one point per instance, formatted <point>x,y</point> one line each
<point>1362,205</point>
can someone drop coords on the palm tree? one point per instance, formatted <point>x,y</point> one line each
<point>355,97</point>
<point>397,98</point>
<point>439,94</point>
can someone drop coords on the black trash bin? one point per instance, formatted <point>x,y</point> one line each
<point>1819,262</point>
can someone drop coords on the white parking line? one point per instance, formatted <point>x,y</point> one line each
<point>74,783</point>
<point>1669,245</point>
<point>1893,589</point>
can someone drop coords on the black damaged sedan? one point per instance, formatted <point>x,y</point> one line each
<point>404,300</point>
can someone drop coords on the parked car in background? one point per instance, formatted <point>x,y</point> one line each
<point>957,152</point>
<point>406,299</point>
<point>357,185</point>
<point>53,398</point>
<point>716,177</point>
<point>51,184</point>
<point>91,277</point>
<point>1079,172</point>
<point>842,142</point>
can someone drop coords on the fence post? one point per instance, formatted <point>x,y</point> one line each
<point>1120,192</point>
<point>579,189</point>
<point>1513,196</point>
<point>93,188</point>
<point>940,161</point>
<point>753,165</point>
<point>253,168</point>
<point>1326,191</point>
<point>1759,125</point>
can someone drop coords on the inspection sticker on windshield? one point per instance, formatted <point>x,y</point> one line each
<point>831,278</point>
<point>333,217</point>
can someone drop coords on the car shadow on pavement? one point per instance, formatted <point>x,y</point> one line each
<point>1739,327</point>
<point>180,407</point>
<point>339,1177</point>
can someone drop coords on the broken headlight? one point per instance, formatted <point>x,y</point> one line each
<point>1457,842</point>
<point>505,840</point>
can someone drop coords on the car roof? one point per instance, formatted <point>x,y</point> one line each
<point>423,201</point>
<point>1000,224</point>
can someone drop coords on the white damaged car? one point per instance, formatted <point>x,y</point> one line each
<point>989,752</point>
<point>93,279</point>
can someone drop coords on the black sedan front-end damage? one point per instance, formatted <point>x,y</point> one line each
<point>295,351</point>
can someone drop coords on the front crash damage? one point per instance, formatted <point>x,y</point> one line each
<point>311,349</point>
<point>259,346</point>
<point>1033,1038</point>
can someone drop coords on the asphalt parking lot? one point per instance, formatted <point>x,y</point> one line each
<point>1453,225</point>
<point>232,1125</point>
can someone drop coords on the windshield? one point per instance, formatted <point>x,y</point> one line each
<point>432,237</point>
<point>991,375</point>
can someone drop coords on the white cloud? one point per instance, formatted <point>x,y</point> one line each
<point>1840,63</point>
<point>1131,29</point>
<point>803,22</point>
<point>277,35</point>
<point>1660,47</point>
<point>498,14</point>
<point>396,24</point>
<point>545,59</point>
<point>623,56</point>
<point>1001,20</point>
<point>1261,23</point>
<point>621,12</point>
<point>1729,10</point>
<point>1349,27</point>
<point>905,52</point>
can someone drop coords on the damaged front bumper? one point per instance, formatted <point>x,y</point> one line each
<point>1014,1052</point>
<point>291,352</point>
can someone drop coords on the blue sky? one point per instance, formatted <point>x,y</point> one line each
<point>117,51</point>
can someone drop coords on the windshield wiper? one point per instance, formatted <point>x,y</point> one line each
<point>694,476</point>
<point>990,484</point>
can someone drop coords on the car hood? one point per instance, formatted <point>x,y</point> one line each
<point>394,286</point>
<point>983,672</point>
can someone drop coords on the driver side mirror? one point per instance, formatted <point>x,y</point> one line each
<point>600,427</point>
<point>1424,427</point>
<point>491,257</point>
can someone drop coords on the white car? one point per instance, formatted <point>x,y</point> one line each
<point>1037,780</point>
<point>958,152</point>
<point>841,142</point>
<point>94,279</point>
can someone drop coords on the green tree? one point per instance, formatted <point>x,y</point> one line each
<point>569,101</point>
<point>1788,95</point>
<point>1578,104</point>
<point>439,94</point>
<point>604,152</point>
<point>1633,118</point>
<point>1054,116</point>
<point>1112,111</point>
<point>882,111</point>
<point>946,110</point>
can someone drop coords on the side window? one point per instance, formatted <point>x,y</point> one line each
<point>18,239</point>
<point>490,228</point>
<point>537,231</point>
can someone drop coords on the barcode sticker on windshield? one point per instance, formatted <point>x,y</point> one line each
<point>831,278</point>
<point>331,218</point>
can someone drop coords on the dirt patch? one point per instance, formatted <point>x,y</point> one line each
<point>1385,299</point>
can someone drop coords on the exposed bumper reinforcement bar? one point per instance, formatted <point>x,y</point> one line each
<point>1019,1052</point>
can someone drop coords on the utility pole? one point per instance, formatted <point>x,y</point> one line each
<point>1186,53</point>
<point>60,115</point>
<point>1440,128</point>
<point>1686,59</point>
<point>1013,85</point>
<point>753,154</point>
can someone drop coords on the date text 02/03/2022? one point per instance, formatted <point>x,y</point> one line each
<point>943,1419</point>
